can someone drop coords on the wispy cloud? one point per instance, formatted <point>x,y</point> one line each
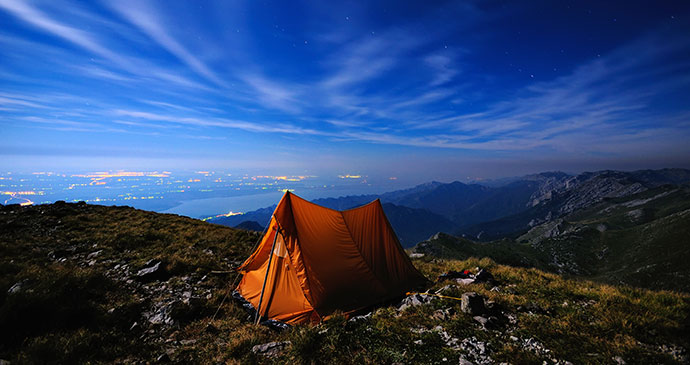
<point>442,64</point>
<point>274,95</point>
<point>142,15</point>
<point>368,57</point>
<point>33,16</point>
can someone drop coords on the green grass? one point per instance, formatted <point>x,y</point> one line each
<point>70,312</point>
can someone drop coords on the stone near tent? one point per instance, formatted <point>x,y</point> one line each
<point>153,270</point>
<point>16,288</point>
<point>473,303</point>
<point>270,349</point>
<point>414,300</point>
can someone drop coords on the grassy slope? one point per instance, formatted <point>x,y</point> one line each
<point>641,240</point>
<point>77,309</point>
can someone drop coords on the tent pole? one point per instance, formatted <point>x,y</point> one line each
<point>263,287</point>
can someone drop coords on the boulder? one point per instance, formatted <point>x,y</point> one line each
<point>473,303</point>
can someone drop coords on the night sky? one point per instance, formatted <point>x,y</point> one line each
<point>423,90</point>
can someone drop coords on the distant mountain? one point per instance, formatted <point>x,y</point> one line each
<point>250,226</point>
<point>469,204</point>
<point>640,239</point>
<point>413,225</point>
<point>562,195</point>
<point>448,200</point>
<point>261,216</point>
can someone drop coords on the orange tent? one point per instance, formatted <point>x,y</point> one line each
<point>313,261</point>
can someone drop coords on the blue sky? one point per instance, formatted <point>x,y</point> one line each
<point>440,90</point>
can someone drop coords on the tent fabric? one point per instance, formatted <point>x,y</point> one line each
<point>326,260</point>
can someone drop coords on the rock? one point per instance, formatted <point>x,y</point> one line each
<point>416,255</point>
<point>473,303</point>
<point>93,255</point>
<point>419,330</point>
<point>451,342</point>
<point>275,325</point>
<point>360,318</point>
<point>16,288</point>
<point>678,353</point>
<point>270,349</point>
<point>536,347</point>
<point>185,296</point>
<point>477,352</point>
<point>481,320</point>
<point>414,300</point>
<point>161,314</point>
<point>490,323</point>
<point>618,360</point>
<point>163,358</point>
<point>153,270</point>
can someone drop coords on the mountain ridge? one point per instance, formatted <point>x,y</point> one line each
<point>488,213</point>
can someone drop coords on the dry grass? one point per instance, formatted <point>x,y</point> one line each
<point>70,312</point>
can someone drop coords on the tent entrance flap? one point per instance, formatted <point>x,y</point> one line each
<point>268,270</point>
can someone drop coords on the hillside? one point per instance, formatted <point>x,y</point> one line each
<point>641,239</point>
<point>82,283</point>
<point>556,198</point>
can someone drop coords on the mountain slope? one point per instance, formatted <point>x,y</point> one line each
<point>95,284</point>
<point>414,225</point>
<point>572,194</point>
<point>641,240</point>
